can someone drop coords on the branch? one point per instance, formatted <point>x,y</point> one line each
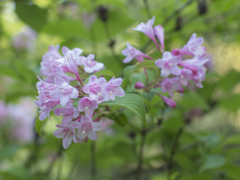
<point>181,8</point>
<point>140,158</point>
<point>173,151</point>
<point>147,8</point>
<point>93,161</point>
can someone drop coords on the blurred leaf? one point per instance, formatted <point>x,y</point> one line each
<point>7,70</point>
<point>132,102</point>
<point>230,80</point>
<point>213,161</point>
<point>121,119</point>
<point>128,72</point>
<point>209,141</point>
<point>39,125</point>
<point>231,103</point>
<point>196,177</point>
<point>17,93</point>
<point>193,100</point>
<point>8,150</point>
<point>32,15</point>
<point>233,139</point>
<point>16,172</point>
<point>149,64</point>
<point>118,21</point>
<point>27,73</point>
<point>99,73</point>
<point>123,150</point>
<point>66,29</point>
<point>231,170</point>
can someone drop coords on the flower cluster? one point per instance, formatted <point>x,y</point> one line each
<point>18,119</point>
<point>77,123</point>
<point>176,71</point>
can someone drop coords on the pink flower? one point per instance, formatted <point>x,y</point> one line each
<point>169,102</point>
<point>114,89</point>
<point>185,76</point>
<point>44,89</point>
<point>195,64</point>
<point>96,88</point>
<point>88,19</point>
<point>199,76</point>
<point>24,39</point>
<point>159,32</point>
<point>68,113</point>
<point>90,65</point>
<point>76,51</point>
<point>132,53</point>
<point>88,129</point>
<point>139,85</point>
<point>87,105</point>
<point>21,117</point>
<point>169,64</point>
<point>63,91</point>
<point>46,107</point>
<point>170,85</point>
<point>52,54</point>
<point>147,29</point>
<point>193,47</point>
<point>68,133</point>
<point>51,69</point>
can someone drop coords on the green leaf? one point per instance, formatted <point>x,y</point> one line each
<point>8,150</point>
<point>213,161</point>
<point>39,125</point>
<point>132,102</point>
<point>196,177</point>
<point>25,72</point>
<point>233,139</point>
<point>128,72</point>
<point>66,29</point>
<point>123,150</point>
<point>149,64</point>
<point>121,119</point>
<point>32,15</point>
<point>8,71</point>
<point>231,103</point>
<point>118,22</point>
<point>99,73</point>
<point>230,80</point>
<point>16,172</point>
<point>193,100</point>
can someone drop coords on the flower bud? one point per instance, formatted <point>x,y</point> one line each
<point>169,102</point>
<point>102,13</point>
<point>139,85</point>
<point>180,90</point>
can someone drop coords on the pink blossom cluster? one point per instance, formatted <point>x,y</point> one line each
<point>24,39</point>
<point>18,119</point>
<point>176,71</point>
<point>77,123</point>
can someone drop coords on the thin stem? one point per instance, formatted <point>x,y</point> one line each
<point>140,158</point>
<point>167,20</point>
<point>172,153</point>
<point>146,74</point>
<point>93,161</point>
<point>59,154</point>
<point>147,8</point>
<point>108,35</point>
<point>176,12</point>
<point>79,79</point>
<point>59,168</point>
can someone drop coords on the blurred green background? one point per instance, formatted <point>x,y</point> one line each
<point>209,146</point>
